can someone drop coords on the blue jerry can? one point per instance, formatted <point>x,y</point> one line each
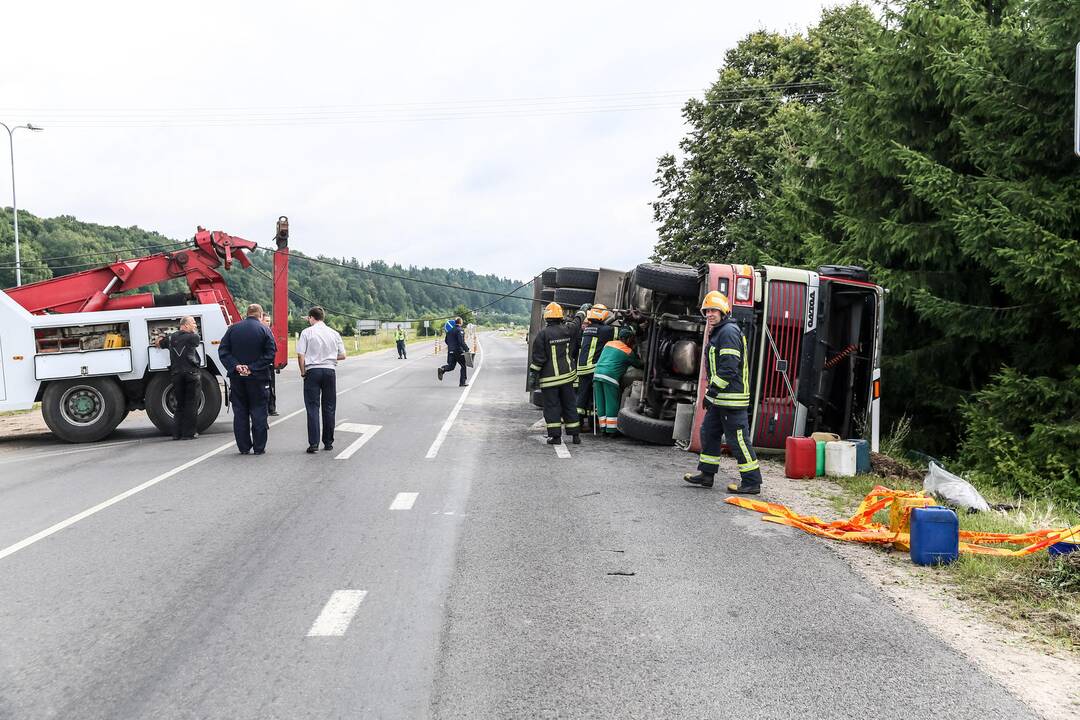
<point>862,456</point>
<point>935,536</point>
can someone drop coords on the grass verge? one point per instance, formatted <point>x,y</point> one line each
<point>1037,594</point>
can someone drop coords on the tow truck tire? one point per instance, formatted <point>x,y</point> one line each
<point>574,296</point>
<point>160,405</point>
<point>646,429</point>
<point>548,279</point>
<point>573,277</point>
<point>670,278</point>
<point>83,410</point>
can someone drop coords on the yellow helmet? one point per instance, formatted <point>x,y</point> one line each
<point>599,313</point>
<point>553,311</point>
<point>716,300</point>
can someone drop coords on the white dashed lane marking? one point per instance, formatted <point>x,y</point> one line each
<point>561,450</point>
<point>404,501</point>
<point>335,617</point>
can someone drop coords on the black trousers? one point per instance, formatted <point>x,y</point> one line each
<point>584,395</point>
<point>455,358</point>
<point>560,407</point>
<point>250,397</point>
<point>320,399</point>
<point>186,391</point>
<point>272,401</point>
<point>733,424</point>
<point>401,349</point>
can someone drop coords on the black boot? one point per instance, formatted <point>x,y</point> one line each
<point>576,438</point>
<point>441,373</point>
<point>554,440</point>
<point>702,479</point>
<point>740,489</point>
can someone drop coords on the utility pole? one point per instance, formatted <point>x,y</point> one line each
<point>14,205</point>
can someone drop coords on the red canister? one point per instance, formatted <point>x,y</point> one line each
<point>800,459</point>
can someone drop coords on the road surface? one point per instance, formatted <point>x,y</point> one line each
<point>440,562</point>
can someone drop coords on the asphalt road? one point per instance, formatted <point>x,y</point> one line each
<point>146,578</point>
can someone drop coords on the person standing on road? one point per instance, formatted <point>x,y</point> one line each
<point>552,368</point>
<point>247,351</point>
<point>456,347</point>
<point>184,367</point>
<point>726,400</point>
<point>272,402</point>
<point>595,334</point>
<point>616,357</point>
<point>318,351</point>
<point>399,336</point>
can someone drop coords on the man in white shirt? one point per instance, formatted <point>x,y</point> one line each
<point>317,353</point>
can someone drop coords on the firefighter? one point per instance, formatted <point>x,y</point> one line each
<point>726,400</point>
<point>184,367</point>
<point>595,334</point>
<point>616,357</point>
<point>552,369</point>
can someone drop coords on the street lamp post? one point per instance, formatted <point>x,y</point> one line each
<point>14,206</point>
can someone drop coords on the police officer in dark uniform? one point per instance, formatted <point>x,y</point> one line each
<point>726,400</point>
<point>456,347</point>
<point>247,351</point>
<point>184,366</point>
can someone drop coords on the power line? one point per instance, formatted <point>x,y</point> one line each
<point>176,245</point>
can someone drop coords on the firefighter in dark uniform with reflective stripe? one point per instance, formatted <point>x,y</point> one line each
<point>552,368</point>
<point>595,334</point>
<point>726,400</point>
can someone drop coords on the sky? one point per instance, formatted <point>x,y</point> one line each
<point>500,137</point>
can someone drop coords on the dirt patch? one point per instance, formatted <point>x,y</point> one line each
<point>21,426</point>
<point>1044,677</point>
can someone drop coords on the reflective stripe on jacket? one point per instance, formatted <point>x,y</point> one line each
<point>553,351</point>
<point>593,339</point>
<point>614,360</point>
<point>728,370</point>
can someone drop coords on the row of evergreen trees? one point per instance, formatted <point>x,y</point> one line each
<point>931,141</point>
<point>50,247</point>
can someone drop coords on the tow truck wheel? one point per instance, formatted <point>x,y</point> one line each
<point>161,402</point>
<point>83,410</point>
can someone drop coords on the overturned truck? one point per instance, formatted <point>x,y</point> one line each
<point>814,340</point>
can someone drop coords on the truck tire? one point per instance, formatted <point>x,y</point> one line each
<point>853,272</point>
<point>572,277</point>
<point>83,410</point>
<point>161,405</point>
<point>646,429</point>
<point>670,278</point>
<point>547,294</point>
<point>574,296</point>
<point>548,279</point>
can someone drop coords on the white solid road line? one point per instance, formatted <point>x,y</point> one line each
<point>404,501</point>
<point>561,450</point>
<point>42,456</point>
<point>366,433</point>
<point>433,451</point>
<point>395,369</point>
<point>335,617</point>
<point>22,544</point>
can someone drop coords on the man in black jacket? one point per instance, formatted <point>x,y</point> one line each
<point>184,366</point>
<point>456,347</point>
<point>247,352</point>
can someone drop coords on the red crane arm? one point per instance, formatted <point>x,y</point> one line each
<point>99,289</point>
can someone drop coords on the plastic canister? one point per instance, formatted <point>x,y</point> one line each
<point>840,459</point>
<point>820,457</point>
<point>800,458</point>
<point>825,436</point>
<point>862,455</point>
<point>1063,548</point>
<point>935,536</point>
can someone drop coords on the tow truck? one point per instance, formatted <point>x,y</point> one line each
<point>85,345</point>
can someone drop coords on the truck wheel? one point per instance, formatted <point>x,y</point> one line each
<point>572,277</point>
<point>548,279</point>
<point>161,403</point>
<point>574,296</point>
<point>670,278</point>
<point>646,429</point>
<point>547,294</point>
<point>83,410</point>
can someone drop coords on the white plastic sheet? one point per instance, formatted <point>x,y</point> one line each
<point>953,489</point>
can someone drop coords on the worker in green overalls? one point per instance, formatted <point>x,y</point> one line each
<point>616,357</point>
